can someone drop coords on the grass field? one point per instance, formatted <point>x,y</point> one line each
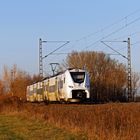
<point>17,128</point>
<point>114,121</point>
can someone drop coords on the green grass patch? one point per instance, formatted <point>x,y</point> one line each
<point>17,128</point>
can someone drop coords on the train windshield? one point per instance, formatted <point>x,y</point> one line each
<point>78,77</point>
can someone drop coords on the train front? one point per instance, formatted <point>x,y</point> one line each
<point>78,85</point>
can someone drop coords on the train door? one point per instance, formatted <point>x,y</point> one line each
<point>56,89</point>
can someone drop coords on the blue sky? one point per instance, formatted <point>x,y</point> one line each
<point>23,22</point>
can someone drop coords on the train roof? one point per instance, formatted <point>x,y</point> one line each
<point>59,73</point>
<point>69,69</point>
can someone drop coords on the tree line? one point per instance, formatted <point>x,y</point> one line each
<point>14,82</point>
<point>108,76</point>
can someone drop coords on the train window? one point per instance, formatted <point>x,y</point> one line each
<point>60,84</point>
<point>78,77</point>
<point>45,88</point>
<point>39,91</point>
<point>52,88</point>
<point>34,90</point>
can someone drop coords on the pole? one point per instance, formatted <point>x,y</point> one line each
<point>129,72</point>
<point>129,75</point>
<point>40,58</point>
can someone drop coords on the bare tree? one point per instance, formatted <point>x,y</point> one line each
<point>6,79</point>
<point>1,87</point>
<point>135,82</point>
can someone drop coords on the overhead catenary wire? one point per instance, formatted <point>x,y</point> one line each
<point>138,42</point>
<point>61,53</point>
<point>114,49</point>
<point>119,29</point>
<point>103,29</point>
<point>127,35</point>
<point>56,49</point>
<point>109,26</point>
<point>74,42</point>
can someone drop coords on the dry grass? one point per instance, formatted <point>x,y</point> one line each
<point>98,122</point>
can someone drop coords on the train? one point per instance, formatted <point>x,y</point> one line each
<point>71,85</point>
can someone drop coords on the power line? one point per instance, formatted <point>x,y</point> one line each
<point>138,42</point>
<point>117,49</point>
<point>110,25</point>
<point>107,27</point>
<point>119,29</point>
<point>114,49</point>
<point>130,35</point>
<point>51,41</point>
<point>63,53</point>
<point>56,49</point>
